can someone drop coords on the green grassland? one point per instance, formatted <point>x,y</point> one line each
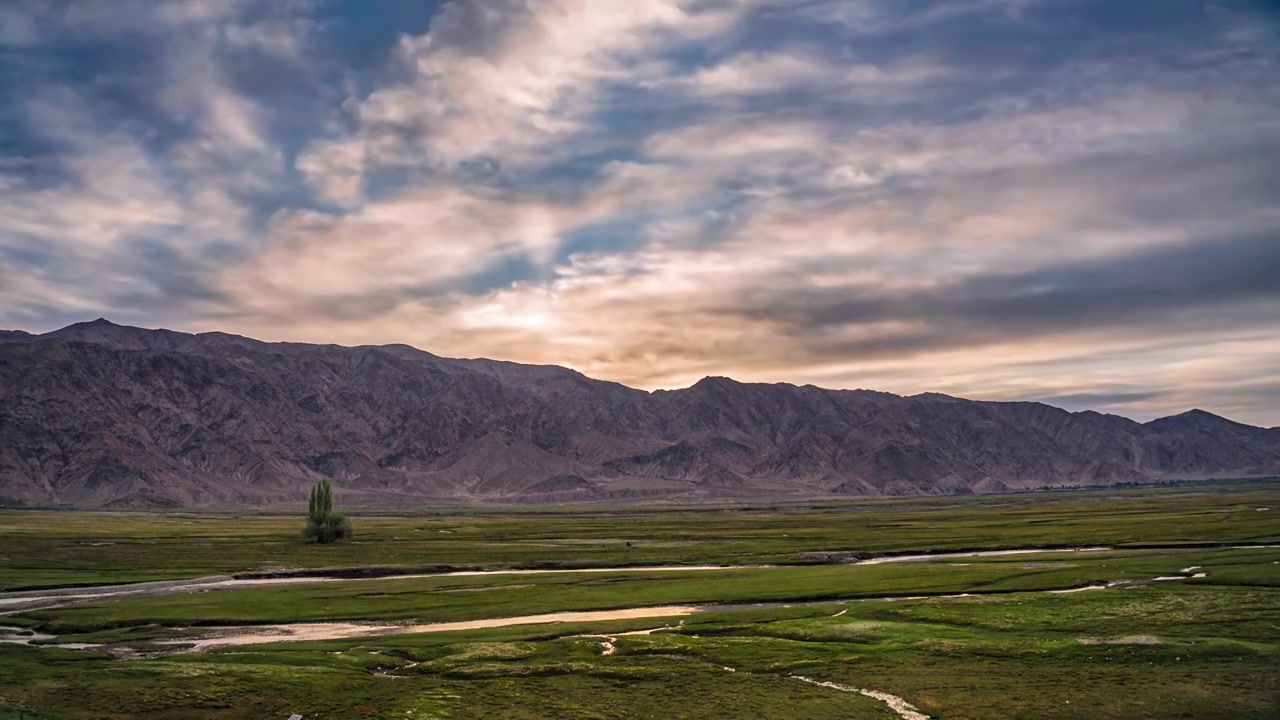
<point>1006,656</point>
<point>1191,648</point>
<point>52,549</point>
<point>448,599</point>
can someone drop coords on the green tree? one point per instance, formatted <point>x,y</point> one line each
<point>323,524</point>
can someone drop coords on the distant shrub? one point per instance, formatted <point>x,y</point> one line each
<point>323,524</point>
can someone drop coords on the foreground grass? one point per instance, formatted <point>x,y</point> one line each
<point>1010,656</point>
<point>1194,648</point>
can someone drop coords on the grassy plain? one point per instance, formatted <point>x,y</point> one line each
<point>1204,647</point>
<point>54,549</point>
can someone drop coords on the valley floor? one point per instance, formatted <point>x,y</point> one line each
<point>1169,607</point>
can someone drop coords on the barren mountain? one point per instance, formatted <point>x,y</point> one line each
<point>100,415</point>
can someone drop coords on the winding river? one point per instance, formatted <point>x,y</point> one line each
<point>217,637</point>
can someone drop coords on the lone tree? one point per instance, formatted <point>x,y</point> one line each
<point>323,524</point>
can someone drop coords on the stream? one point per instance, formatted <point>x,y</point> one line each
<point>13,602</point>
<point>209,638</point>
<point>16,601</point>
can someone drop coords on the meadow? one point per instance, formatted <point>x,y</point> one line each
<point>1172,620</point>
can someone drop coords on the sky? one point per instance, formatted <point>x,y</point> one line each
<point>1071,201</point>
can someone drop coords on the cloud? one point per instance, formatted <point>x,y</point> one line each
<point>752,73</point>
<point>119,211</point>
<point>1181,285</point>
<point>883,16</point>
<point>1100,399</point>
<point>507,81</point>
<point>1000,198</point>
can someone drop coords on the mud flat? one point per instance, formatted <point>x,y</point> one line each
<point>302,632</point>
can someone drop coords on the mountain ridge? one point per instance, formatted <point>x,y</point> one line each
<point>99,414</point>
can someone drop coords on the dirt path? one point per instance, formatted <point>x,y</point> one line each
<point>904,709</point>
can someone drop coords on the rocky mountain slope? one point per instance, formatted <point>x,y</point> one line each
<point>100,415</point>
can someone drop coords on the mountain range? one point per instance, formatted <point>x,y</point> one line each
<point>103,415</point>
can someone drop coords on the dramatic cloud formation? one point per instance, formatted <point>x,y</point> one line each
<point>1066,200</point>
